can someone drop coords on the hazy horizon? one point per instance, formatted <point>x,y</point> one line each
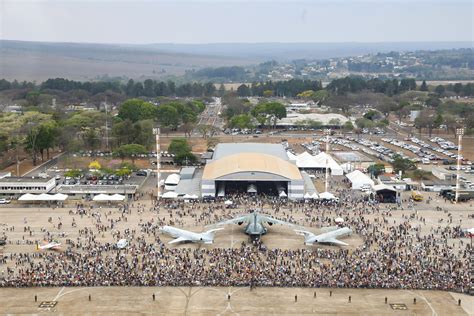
<point>236,21</point>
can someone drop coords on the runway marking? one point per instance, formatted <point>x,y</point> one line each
<point>59,294</point>
<point>72,291</point>
<point>428,303</point>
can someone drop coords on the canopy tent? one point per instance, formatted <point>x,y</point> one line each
<point>385,193</point>
<point>228,202</point>
<point>315,195</point>
<point>325,159</point>
<point>106,198</point>
<point>172,181</point>
<point>358,179</point>
<point>291,156</point>
<point>170,195</point>
<point>307,196</point>
<point>252,188</point>
<point>327,196</point>
<point>282,194</point>
<point>320,161</point>
<point>190,196</point>
<point>43,197</point>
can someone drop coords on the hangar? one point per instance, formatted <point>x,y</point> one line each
<point>251,168</point>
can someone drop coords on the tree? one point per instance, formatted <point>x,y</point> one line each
<point>130,151</point>
<point>268,93</point>
<point>241,121</point>
<point>440,90</point>
<point>401,164</point>
<point>348,126</point>
<point>376,169</point>
<point>91,139</point>
<point>271,110</point>
<point>182,151</point>
<point>424,86</point>
<point>94,165</point>
<point>243,91</point>
<point>168,116</point>
<point>136,110</point>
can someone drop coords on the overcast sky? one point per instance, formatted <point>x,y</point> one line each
<point>214,21</point>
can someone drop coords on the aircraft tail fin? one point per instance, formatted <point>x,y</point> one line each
<point>307,235</point>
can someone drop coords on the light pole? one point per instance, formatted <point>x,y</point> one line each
<point>327,132</point>
<point>156,132</point>
<point>459,133</point>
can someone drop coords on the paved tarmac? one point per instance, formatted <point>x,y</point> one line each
<point>214,301</point>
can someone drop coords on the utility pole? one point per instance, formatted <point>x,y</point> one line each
<point>156,131</point>
<point>106,128</point>
<point>327,132</point>
<point>459,133</point>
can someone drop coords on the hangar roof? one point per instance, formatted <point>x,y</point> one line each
<point>227,149</point>
<point>251,162</point>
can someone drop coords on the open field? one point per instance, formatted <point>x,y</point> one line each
<point>243,301</point>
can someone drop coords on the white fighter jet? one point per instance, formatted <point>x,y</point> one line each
<point>54,245</point>
<point>329,237</point>
<point>182,235</point>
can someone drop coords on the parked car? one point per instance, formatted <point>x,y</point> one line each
<point>142,173</point>
<point>4,201</point>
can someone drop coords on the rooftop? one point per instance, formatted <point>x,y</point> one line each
<point>24,179</point>
<point>251,162</point>
<point>227,149</point>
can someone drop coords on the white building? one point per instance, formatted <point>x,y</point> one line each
<point>22,185</point>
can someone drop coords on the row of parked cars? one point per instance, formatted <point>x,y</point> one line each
<point>444,144</point>
<point>97,153</point>
<point>424,155</point>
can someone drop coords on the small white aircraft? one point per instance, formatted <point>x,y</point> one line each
<point>54,245</point>
<point>326,237</point>
<point>182,235</point>
<point>122,243</point>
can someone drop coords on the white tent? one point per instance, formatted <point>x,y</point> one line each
<point>315,195</point>
<point>327,196</point>
<point>172,181</point>
<point>383,186</point>
<point>307,196</point>
<point>170,195</point>
<point>282,194</point>
<point>358,179</point>
<point>27,197</point>
<point>105,197</point>
<point>291,156</point>
<point>324,159</point>
<point>190,196</point>
<point>320,161</point>
<point>252,188</point>
<point>228,202</point>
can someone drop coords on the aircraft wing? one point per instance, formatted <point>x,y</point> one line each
<point>178,240</point>
<point>240,219</point>
<point>335,241</point>
<point>272,220</point>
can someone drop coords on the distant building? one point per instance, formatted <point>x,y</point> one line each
<point>22,185</point>
<point>438,185</point>
<point>299,119</point>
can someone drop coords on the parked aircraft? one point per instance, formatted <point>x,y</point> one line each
<point>329,237</point>
<point>54,245</point>
<point>182,235</point>
<point>255,223</point>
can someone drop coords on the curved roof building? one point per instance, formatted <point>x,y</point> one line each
<point>264,166</point>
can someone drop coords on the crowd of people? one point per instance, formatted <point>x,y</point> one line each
<point>393,254</point>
